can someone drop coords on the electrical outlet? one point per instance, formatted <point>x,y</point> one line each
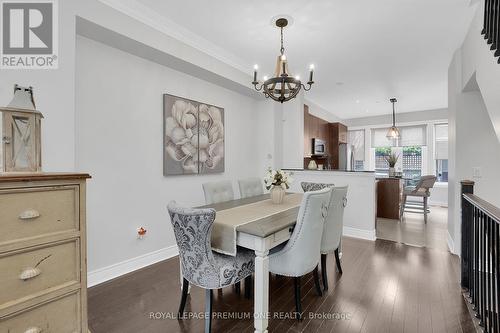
<point>476,172</point>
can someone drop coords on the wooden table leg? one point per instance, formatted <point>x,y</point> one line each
<point>261,293</point>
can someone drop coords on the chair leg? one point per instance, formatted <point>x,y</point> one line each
<point>337,260</point>
<point>185,288</point>
<point>248,287</point>
<point>425,209</point>
<point>323,272</point>
<point>237,287</point>
<point>298,305</point>
<point>208,310</point>
<point>402,208</point>
<point>316,281</point>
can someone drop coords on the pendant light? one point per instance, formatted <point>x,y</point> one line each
<point>393,133</point>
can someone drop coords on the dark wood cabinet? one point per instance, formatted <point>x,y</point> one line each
<point>389,197</point>
<point>333,134</point>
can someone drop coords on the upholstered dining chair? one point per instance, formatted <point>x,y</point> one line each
<point>332,230</point>
<point>200,265</point>
<point>300,255</point>
<point>422,190</point>
<point>219,191</point>
<point>250,187</point>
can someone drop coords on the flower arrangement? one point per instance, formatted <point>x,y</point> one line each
<point>392,159</point>
<point>277,178</point>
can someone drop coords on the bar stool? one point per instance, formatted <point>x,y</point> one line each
<point>422,190</point>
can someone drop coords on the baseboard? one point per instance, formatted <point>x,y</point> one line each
<point>359,233</point>
<point>104,274</point>
<point>113,271</point>
<point>451,244</point>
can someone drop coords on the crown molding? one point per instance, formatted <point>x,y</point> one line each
<point>149,17</point>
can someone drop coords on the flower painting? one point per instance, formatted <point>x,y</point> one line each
<point>193,137</point>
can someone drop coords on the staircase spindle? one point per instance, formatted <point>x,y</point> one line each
<point>494,26</point>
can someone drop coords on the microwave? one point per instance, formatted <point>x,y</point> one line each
<point>318,147</point>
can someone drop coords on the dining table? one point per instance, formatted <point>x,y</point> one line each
<point>260,226</point>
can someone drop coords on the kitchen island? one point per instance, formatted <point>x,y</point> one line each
<point>360,212</point>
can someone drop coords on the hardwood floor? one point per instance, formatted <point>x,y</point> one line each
<point>413,231</point>
<point>386,287</point>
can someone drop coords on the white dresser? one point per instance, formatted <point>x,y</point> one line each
<point>43,261</point>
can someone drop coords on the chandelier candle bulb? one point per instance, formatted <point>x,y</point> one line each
<point>255,68</point>
<point>311,71</point>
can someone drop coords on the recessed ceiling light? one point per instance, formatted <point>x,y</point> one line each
<point>357,101</point>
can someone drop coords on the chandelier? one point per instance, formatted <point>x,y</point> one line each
<point>393,132</point>
<point>283,86</point>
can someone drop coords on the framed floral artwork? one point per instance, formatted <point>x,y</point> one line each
<point>193,137</point>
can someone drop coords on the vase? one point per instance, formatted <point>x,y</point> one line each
<point>277,195</point>
<point>392,172</point>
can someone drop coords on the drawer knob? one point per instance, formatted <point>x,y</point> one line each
<point>29,214</point>
<point>33,330</point>
<point>32,272</point>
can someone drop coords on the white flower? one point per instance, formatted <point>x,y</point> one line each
<point>195,137</point>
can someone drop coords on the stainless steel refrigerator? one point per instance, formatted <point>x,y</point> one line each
<point>346,157</point>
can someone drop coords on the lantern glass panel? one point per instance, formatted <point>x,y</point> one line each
<point>21,142</point>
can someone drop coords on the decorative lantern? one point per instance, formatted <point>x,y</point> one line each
<point>21,133</point>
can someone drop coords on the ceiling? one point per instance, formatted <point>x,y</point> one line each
<point>364,51</point>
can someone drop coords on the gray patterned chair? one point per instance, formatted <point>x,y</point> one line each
<point>250,187</point>
<point>200,265</point>
<point>219,191</point>
<point>300,255</point>
<point>332,231</point>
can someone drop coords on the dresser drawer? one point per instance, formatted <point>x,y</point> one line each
<point>20,278</point>
<point>59,316</point>
<point>38,211</point>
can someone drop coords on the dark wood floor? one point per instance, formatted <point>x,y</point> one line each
<point>386,287</point>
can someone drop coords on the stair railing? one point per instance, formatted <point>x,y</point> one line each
<point>480,257</point>
<point>491,25</point>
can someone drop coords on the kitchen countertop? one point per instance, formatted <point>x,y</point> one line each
<point>330,170</point>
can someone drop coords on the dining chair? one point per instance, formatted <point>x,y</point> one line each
<point>422,190</point>
<point>201,266</point>
<point>219,191</point>
<point>250,187</point>
<point>334,224</point>
<point>300,255</point>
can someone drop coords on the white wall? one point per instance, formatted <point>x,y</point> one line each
<point>119,141</point>
<point>474,123</point>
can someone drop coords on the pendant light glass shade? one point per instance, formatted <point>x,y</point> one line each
<point>393,132</point>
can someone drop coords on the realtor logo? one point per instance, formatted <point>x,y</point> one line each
<point>29,34</point>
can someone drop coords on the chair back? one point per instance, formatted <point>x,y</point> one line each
<point>250,187</point>
<point>192,230</point>
<point>334,224</point>
<point>216,192</point>
<point>426,183</point>
<point>332,230</point>
<point>302,252</point>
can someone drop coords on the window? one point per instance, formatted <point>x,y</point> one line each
<point>441,152</point>
<point>409,148</point>
<point>356,139</point>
